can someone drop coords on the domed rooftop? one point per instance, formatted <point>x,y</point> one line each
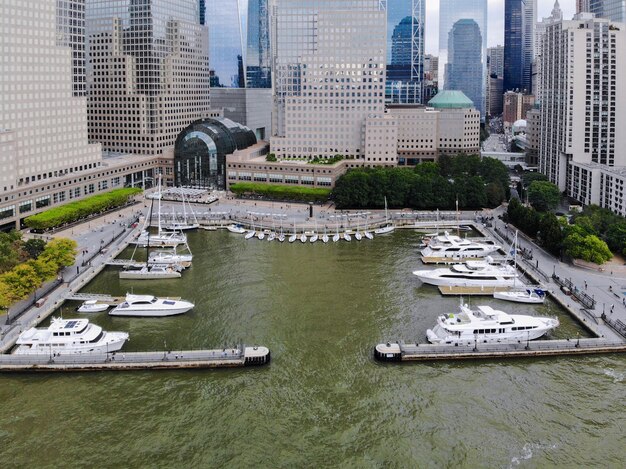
<point>451,99</point>
<point>519,126</point>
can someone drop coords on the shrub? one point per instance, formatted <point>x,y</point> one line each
<point>80,209</point>
<point>299,193</point>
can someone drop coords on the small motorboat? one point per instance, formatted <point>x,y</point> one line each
<point>528,295</point>
<point>93,306</point>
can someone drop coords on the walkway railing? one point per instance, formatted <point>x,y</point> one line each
<point>587,301</point>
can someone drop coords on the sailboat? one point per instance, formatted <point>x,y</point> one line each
<point>162,238</point>
<point>281,235</point>
<point>324,236</point>
<point>358,236</point>
<point>336,237</point>
<point>314,237</point>
<point>186,224</point>
<point>151,271</point>
<point>294,236</point>
<point>388,228</point>
<point>523,293</point>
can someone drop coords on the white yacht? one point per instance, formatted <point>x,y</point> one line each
<point>152,272</point>
<point>486,324</point>
<point>162,239</point>
<point>69,336</point>
<point>148,305</point>
<point>170,257</point>
<point>470,274</point>
<point>526,295</point>
<point>451,246</point>
<point>236,229</point>
<point>92,306</point>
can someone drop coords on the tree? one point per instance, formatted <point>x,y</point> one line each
<point>34,247</point>
<point>529,178</point>
<point>589,248</point>
<point>428,168</point>
<point>471,192</point>
<point>495,194</point>
<point>551,233</point>
<point>543,195</point>
<point>616,237</point>
<point>494,171</point>
<point>62,251</point>
<point>46,269</point>
<point>22,280</point>
<point>7,294</point>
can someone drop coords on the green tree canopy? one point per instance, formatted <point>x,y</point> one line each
<point>61,251</point>
<point>34,247</point>
<point>589,248</point>
<point>543,195</point>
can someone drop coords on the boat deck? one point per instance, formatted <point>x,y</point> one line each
<point>458,260</point>
<point>470,291</point>
<point>123,361</point>
<point>108,299</point>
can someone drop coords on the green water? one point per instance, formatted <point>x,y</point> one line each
<point>323,401</point>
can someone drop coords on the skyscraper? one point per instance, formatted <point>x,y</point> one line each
<point>583,109</point>
<point>464,70</point>
<point>405,51</point>
<point>148,72</point>
<point>513,44</point>
<point>70,21</point>
<point>614,10</point>
<point>239,43</point>
<point>529,51</point>
<point>329,76</point>
<point>450,11</point>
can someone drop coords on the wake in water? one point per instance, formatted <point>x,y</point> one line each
<point>527,452</point>
<point>617,377</point>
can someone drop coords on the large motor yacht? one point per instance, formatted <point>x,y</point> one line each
<point>486,324</point>
<point>69,336</point>
<point>450,246</point>
<point>148,305</point>
<point>470,274</point>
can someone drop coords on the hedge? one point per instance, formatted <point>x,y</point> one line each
<point>307,194</point>
<point>80,209</point>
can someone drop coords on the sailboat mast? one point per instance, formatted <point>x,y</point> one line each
<point>160,195</point>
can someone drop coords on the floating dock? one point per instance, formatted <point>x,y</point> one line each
<point>401,352</point>
<point>470,291</point>
<point>125,361</point>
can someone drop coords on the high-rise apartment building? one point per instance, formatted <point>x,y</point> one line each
<point>464,70</point>
<point>405,51</point>
<point>614,10</point>
<point>329,75</point>
<point>583,109</point>
<point>451,11</point>
<point>147,72</point>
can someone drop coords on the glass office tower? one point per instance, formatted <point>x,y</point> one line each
<point>513,44</point>
<point>464,70</point>
<point>614,10</point>
<point>405,51</point>
<point>451,11</point>
<point>239,43</point>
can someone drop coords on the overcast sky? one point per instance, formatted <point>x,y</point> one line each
<point>496,20</point>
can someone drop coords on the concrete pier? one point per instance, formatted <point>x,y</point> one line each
<point>401,352</point>
<point>125,361</point>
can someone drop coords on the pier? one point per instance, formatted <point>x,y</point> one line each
<point>125,361</point>
<point>401,352</point>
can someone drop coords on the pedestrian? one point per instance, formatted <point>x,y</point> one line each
<point>537,263</point>
<point>612,308</point>
<point>585,284</point>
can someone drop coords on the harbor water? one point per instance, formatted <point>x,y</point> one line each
<point>323,401</point>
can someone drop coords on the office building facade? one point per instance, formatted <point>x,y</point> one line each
<point>513,44</point>
<point>328,76</point>
<point>583,108</point>
<point>45,156</point>
<point>147,72</point>
<point>614,10</point>
<point>451,11</point>
<point>405,51</point>
<point>464,70</point>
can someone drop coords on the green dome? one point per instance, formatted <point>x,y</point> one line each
<point>451,99</point>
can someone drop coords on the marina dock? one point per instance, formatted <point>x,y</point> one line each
<point>401,352</point>
<point>125,361</point>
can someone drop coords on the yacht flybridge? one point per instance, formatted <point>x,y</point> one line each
<point>486,324</point>
<point>450,246</point>
<point>471,273</point>
<point>69,336</point>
